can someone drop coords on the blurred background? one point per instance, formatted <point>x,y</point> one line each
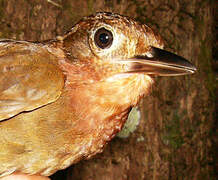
<point>176,136</point>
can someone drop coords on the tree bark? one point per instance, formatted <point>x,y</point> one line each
<point>176,135</point>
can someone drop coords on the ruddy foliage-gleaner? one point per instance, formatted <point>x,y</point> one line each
<point>62,100</point>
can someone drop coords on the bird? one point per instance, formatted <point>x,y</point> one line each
<point>64,99</point>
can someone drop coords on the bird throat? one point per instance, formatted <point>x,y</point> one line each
<point>102,106</point>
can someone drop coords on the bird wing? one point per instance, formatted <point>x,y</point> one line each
<point>29,77</point>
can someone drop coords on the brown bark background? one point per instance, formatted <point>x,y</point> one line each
<point>176,135</point>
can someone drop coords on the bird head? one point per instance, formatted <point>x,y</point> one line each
<point>116,57</point>
<point>107,45</point>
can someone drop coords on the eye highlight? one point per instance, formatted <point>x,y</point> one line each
<point>103,38</point>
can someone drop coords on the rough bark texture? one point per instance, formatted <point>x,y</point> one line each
<point>176,135</point>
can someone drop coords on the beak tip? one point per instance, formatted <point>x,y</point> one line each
<point>192,68</point>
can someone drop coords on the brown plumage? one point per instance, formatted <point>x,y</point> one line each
<point>63,100</point>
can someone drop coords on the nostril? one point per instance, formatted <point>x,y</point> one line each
<point>149,54</point>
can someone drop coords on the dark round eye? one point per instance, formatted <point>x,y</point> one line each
<point>103,38</point>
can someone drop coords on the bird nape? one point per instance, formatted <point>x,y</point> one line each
<point>62,100</point>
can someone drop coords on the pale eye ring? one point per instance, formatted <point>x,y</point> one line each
<point>103,38</point>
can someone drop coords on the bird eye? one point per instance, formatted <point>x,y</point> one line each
<point>103,38</point>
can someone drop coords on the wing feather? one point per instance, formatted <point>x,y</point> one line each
<point>29,77</point>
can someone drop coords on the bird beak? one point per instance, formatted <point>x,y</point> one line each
<point>160,62</point>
